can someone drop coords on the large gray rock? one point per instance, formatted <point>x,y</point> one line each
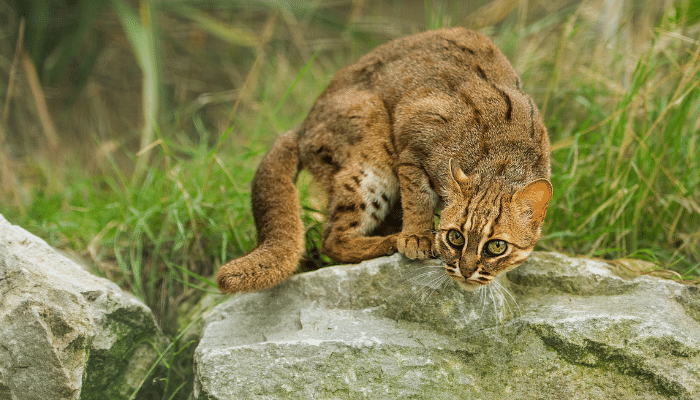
<point>64,333</point>
<point>557,328</point>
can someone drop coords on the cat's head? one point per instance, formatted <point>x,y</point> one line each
<point>487,226</point>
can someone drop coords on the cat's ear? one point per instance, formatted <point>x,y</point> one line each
<point>460,183</point>
<point>457,176</point>
<point>533,200</point>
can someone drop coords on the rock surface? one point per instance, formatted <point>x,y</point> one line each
<point>64,333</point>
<point>556,328</point>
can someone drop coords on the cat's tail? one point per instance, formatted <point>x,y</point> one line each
<point>277,215</point>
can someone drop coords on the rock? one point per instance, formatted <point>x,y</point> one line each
<point>554,328</point>
<point>64,333</point>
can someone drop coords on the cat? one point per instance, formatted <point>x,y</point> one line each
<point>436,119</point>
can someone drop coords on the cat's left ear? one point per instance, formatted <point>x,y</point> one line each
<point>534,199</point>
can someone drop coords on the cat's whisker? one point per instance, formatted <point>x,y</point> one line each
<point>497,291</point>
<point>425,278</point>
<point>508,309</point>
<point>420,277</point>
<point>441,283</point>
<point>428,282</point>
<point>482,300</point>
<point>495,305</point>
<point>434,282</point>
<point>416,276</point>
<point>429,267</point>
<point>419,292</point>
<point>502,290</point>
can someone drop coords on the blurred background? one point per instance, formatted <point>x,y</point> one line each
<point>130,129</point>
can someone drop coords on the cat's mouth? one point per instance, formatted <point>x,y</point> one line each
<point>470,284</point>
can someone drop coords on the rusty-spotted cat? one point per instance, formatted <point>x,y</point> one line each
<point>437,119</point>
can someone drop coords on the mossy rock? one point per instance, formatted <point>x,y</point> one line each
<point>67,334</point>
<point>567,328</point>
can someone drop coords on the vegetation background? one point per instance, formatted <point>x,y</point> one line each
<point>130,129</point>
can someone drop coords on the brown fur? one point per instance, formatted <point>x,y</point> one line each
<point>430,119</point>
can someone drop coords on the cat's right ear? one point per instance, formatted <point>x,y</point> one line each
<point>459,181</point>
<point>455,173</point>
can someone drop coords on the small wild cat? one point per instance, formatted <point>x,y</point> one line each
<point>429,120</point>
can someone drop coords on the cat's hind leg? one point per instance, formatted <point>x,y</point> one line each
<point>359,201</point>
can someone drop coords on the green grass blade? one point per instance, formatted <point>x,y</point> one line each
<point>140,31</point>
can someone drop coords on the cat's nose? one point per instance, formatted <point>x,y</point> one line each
<point>468,266</point>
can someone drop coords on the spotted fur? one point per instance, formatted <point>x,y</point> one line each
<point>437,118</point>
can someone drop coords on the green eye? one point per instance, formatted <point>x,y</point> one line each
<point>495,248</point>
<point>455,239</point>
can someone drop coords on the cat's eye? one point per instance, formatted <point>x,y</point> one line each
<point>495,248</point>
<point>455,239</point>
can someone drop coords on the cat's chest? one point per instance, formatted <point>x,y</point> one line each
<point>379,187</point>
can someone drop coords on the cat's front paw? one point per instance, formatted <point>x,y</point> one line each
<point>416,245</point>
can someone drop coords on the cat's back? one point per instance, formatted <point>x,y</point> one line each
<point>428,97</point>
<point>438,60</point>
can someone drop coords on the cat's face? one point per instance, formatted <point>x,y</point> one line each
<point>486,229</point>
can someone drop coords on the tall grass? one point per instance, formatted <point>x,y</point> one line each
<point>626,168</point>
<point>155,171</point>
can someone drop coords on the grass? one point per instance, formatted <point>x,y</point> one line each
<point>629,178</point>
<point>154,192</point>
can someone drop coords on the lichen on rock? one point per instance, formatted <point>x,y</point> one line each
<point>67,334</point>
<point>557,327</point>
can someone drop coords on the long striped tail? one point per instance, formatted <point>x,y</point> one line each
<point>277,215</point>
